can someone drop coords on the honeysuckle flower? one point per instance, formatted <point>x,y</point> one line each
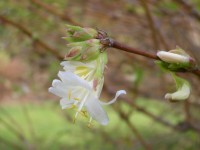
<point>81,82</point>
<point>183,90</point>
<point>80,87</point>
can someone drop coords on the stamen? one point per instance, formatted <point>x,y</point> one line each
<point>84,113</point>
<point>76,99</point>
<point>69,94</point>
<point>76,115</point>
<point>90,125</point>
<point>72,106</point>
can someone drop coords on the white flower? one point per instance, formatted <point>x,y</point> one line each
<point>79,89</point>
<point>181,94</point>
<point>171,57</point>
<point>183,89</point>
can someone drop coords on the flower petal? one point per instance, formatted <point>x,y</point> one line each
<point>65,103</point>
<point>56,82</point>
<point>172,57</point>
<point>183,89</point>
<point>58,92</point>
<point>71,65</point>
<point>115,98</point>
<point>95,110</point>
<point>73,80</point>
<point>181,94</point>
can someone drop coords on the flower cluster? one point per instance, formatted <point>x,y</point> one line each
<point>82,80</point>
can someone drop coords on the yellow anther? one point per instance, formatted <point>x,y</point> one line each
<point>82,70</point>
<point>73,106</point>
<point>76,99</point>
<point>84,113</point>
<point>90,125</point>
<point>69,94</point>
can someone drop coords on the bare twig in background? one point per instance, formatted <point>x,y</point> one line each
<point>30,125</point>
<point>157,34</point>
<point>187,111</point>
<point>126,119</point>
<point>11,144</point>
<point>158,119</point>
<point>11,128</point>
<point>189,8</point>
<point>53,11</point>
<point>151,24</point>
<point>31,35</point>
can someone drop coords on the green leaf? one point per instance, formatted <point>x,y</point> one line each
<point>172,66</point>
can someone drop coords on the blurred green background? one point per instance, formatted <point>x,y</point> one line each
<point>31,34</point>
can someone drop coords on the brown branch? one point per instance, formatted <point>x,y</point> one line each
<point>11,128</point>
<point>31,35</point>
<point>189,8</point>
<point>53,11</point>
<point>126,119</point>
<point>156,32</point>
<point>181,127</point>
<point>10,143</point>
<point>108,42</point>
<point>188,117</point>
<point>187,111</point>
<point>151,23</point>
<point>129,49</point>
<point>140,109</point>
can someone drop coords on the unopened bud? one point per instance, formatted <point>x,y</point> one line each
<point>172,57</point>
<point>84,51</point>
<point>79,34</point>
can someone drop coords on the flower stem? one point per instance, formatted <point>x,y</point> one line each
<point>129,49</point>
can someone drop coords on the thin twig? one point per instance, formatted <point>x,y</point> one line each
<point>6,142</point>
<point>140,109</point>
<point>126,119</point>
<point>158,31</point>
<point>129,49</point>
<point>124,47</point>
<point>30,125</point>
<point>151,23</point>
<point>11,128</point>
<point>189,8</point>
<point>31,35</point>
<point>53,11</point>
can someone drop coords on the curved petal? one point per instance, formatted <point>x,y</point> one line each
<point>183,89</point>
<point>73,80</point>
<point>65,103</point>
<point>181,94</point>
<point>71,65</point>
<point>95,110</point>
<point>172,57</point>
<point>59,88</point>
<point>67,66</point>
<point>57,92</point>
<point>115,98</point>
<point>56,82</point>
